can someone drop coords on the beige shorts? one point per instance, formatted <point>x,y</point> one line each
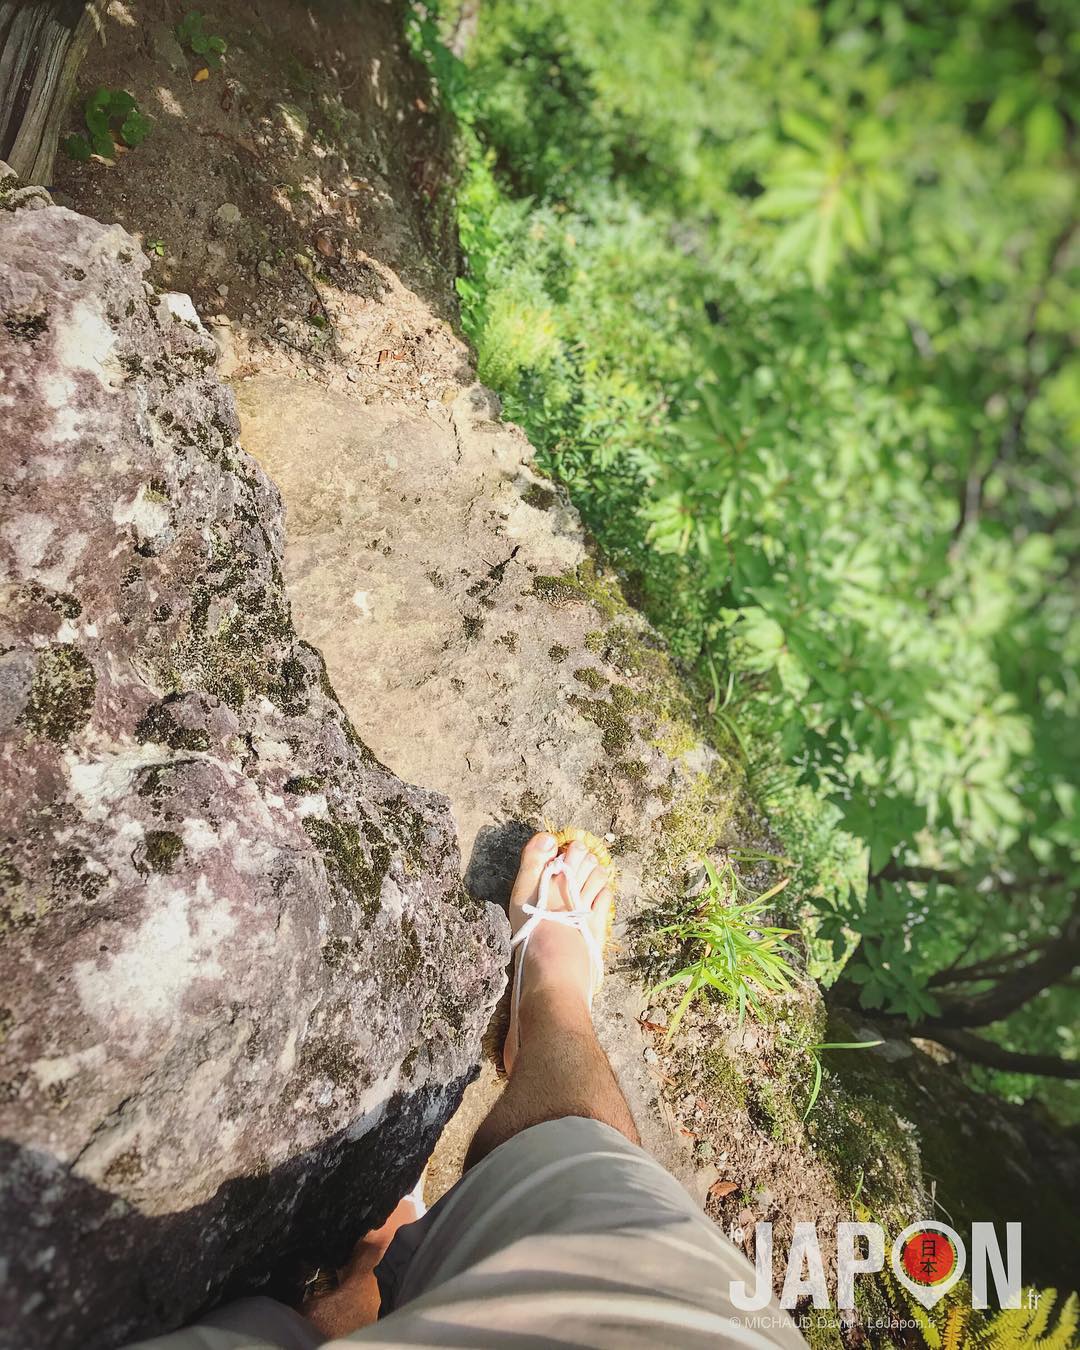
<point>565,1235</point>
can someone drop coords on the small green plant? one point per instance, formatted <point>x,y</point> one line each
<point>156,246</point>
<point>735,953</point>
<point>103,109</point>
<point>814,1051</point>
<point>192,33</point>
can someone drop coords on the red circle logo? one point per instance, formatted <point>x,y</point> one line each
<point>928,1257</point>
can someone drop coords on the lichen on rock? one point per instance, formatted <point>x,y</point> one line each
<point>214,897</point>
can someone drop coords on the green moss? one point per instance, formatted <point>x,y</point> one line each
<point>557,652</point>
<point>323,1057</point>
<point>161,850</point>
<point>303,786</point>
<point>634,770</point>
<point>591,678</point>
<point>509,641</point>
<point>71,879</point>
<point>357,857</point>
<point>409,953</point>
<point>865,1147</point>
<point>772,1112</point>
<point>61,694</point>
<point>472,625</point>
<point>540,497</point>
<point>616,731</point>
<point>7,1021</point>
<point>159,726</point>
<point>585,585</point>
<point>58,601</point>
<point>335,951</point>
<point>696,822</point>
<point>820,1331</point>
<point>723,1080</point>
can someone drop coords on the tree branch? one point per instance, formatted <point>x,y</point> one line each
<point>925,876</point>
<point>988,969</point>
<point>1059,958</point>
<point>981,1051</point>
<point>977,479</point>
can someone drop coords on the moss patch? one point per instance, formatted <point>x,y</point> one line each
<point>724,1080</point>
<point>539,497</point>
<point>696,822</point>
<point>357,857</point>
<point>586,584</point>
<point>159,726</point>
<point>161,850</point>
<point>61,694</point>
<point>616,730</point>
<point>591,678</point>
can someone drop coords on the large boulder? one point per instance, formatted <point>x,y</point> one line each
<point>241,985</point>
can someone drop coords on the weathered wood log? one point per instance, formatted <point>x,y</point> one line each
<point>42,43</point>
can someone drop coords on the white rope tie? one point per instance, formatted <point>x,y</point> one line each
<point>577,917</point>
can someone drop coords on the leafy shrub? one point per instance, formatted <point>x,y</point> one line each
<point>103,109</point>
<point>191,30</point>
<point>784,294</point>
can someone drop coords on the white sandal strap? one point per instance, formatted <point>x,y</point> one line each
<point>578,917</point>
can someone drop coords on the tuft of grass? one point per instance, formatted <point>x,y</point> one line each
<point>734,952</point>
<point>814,1051</point>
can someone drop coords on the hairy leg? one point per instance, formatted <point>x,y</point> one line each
<point>556,1065</point>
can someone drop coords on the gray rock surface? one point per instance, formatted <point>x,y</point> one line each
<point>241,987</point>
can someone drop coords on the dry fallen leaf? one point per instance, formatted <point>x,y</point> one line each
<point>384,355</point>
<point>324,245</point>
<point>650,1026</point>
<point>746,1218</point>
<point>201,75</point>
<point>721,1188</point>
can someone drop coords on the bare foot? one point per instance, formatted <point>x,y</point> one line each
<point>354,1303</point>
<point>557,958</point>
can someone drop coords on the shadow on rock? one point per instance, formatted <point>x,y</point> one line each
<point>125,1275</point>
<point>495,859</point>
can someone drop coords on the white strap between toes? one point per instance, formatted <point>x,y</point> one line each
<point>577,917</point>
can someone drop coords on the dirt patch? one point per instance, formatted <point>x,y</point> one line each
<point>299,194</point>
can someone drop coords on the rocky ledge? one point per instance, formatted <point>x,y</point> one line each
<point>242,987</point>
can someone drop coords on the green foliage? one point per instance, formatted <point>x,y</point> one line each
<point>785,295</point>
<point>1042,1322</point>
<point>732,950</point>
<point>102,111</point>
<point>191,30</point>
